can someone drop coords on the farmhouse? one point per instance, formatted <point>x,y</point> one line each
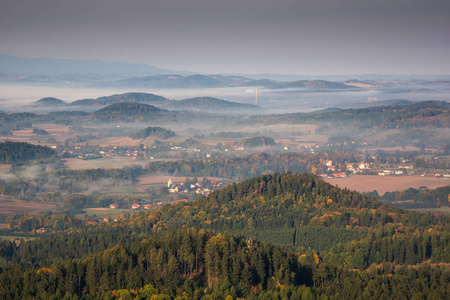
<point>350,167</point>
<point>363,166</point>
<point>340,175</point>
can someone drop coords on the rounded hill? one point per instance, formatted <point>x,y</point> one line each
<point>50,101</point>
<point>127,111</point>
<point>214,104</point>
<point>120,98</point>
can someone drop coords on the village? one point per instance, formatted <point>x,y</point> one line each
<point>378,162</point>
<point>205,187</point>
<point>348,169</point>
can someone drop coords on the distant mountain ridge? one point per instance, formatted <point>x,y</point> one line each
<point>217,81</point>
<point>309,84</point>
<point>191,81</point>
<point>96,73</point>
<point>21,66</point>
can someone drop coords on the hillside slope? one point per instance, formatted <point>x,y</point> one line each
<point>127,111</point>
<point>143,256</point>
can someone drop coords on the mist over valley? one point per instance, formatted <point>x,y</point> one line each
<point>126,181</point>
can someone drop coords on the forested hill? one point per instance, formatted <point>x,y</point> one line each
<point>49,101</point>
<point>14,152</point>
<point>432,114</point>
<point>178,250</point>
<point>197,103</point>
<point>301,211</point>
<point>152,131</point>
<point>277,201</point>
<point>127,97</point>
<point>212,104</point>
<point>435,113</point>
<point>127,111</point>
<point>195,264</point>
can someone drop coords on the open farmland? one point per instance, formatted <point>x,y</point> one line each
<point>20,136</point>
<point>309,140</point>
<point>9,206</point>
<point>59,132</point>
<point>104,212</point>
<point>114,162</point>
<point>383,184</point>
<point>295,136</point>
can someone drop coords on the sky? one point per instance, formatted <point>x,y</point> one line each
<point>303,37</point>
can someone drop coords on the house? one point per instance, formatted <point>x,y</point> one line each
<point>363,166</point>
<point>340,175</point>
<point>147,206</point>
<point>114,206</point>
<point>331,168</point>
<point>405,167</point>
<point>350,167</point>
<point>42,230</point>
<point>135,206</point>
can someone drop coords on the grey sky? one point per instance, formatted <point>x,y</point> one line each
<point>247,36</point>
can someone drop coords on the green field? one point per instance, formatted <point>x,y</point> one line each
<point>104,212</point>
